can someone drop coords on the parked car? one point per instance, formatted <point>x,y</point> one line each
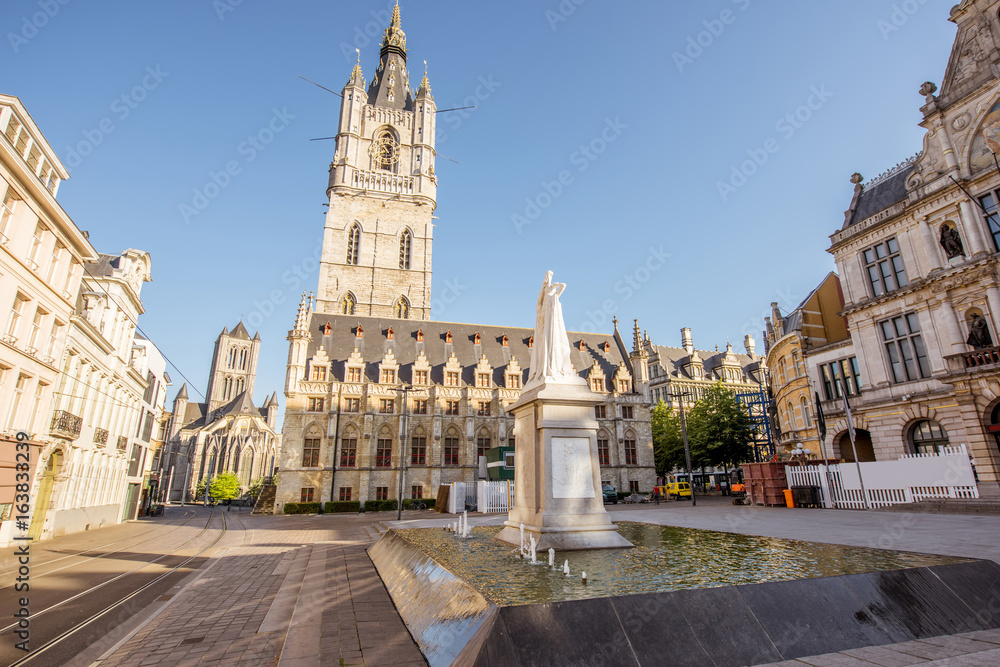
<point>677,490</point>
<point>610,495</point>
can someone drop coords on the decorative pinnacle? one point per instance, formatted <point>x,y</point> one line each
<point>394,35</point>
<point>357,75</point>
<point>425,84</point>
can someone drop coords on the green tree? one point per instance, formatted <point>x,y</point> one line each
<point>199,488</point>
<point>225,487</point>
<point>668,443</point>
<point>719,429</point>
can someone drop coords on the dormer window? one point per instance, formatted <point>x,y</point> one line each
<point>451,379</point>
<point>354,374</point>
<point>583,346</point>
<point>598,384</point>
<point>327,329</point>
<point>420,335</point>
<point>513,381</point>
<point>624,386</point>
<point>482,380</point>
<point>319,373</point>
<point>504,340</point>
<point>447,337</point>
<point>476,339</point>
<point>389,334</point>
<point>388,376</point>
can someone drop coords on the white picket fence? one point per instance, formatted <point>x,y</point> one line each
<point>911,478</point>
<point>495,497</point>
<point>487,497</point>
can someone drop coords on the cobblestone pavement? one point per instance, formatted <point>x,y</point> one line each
<point>289,591</point>
<point>298,591</point>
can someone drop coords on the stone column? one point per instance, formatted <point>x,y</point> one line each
<point>955,343</point>
<point>972,225</point>
<point>932,253</point>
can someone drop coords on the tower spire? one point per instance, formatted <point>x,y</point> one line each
<point>394,37</point>
<point>357,75</point>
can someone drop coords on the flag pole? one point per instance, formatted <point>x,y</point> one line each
<point>821,423</point>
<point>850,432</point>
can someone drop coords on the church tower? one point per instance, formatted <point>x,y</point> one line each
<point>234,366</point>
<point>377,239</point>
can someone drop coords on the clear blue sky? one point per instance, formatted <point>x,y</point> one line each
<point>546,82</point>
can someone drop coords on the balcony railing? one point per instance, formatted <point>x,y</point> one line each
<point>100,436</point>
<point>988,356</point>
<point>382,181</point>
<point>66,425</point>
<point>122,443</point>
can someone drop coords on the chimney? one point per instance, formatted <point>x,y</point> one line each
<point>749,345</point>
<point>686,341</point>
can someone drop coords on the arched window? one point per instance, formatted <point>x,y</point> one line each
<point>384,151</point>
<point>232,357</point>
<point>402,308</point>
<point>791,416</point>
<point>404,249</point>
<point>806,417</point>
<point>247,467</point>
<point>236,460</point>
<point>353,244</point>
<point>781,370</point>
<point>798,364</point>
<point>928,437</point>
<point>347,304</point>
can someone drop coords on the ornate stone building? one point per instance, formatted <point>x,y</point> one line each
<point>226,433</point>
<point>368,371</point>
<point>917,258</point>
<point>806,350</point>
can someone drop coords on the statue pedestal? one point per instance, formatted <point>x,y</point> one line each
<point>557,477</point>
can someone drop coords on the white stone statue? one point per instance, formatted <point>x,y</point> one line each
<point>550,356</point>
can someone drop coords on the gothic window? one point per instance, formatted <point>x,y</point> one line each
<point>348,453</point>
<point>231,362</point>
<point>402,308</point>
<point>404,249</point>
<point>353,244</point>
<point>384,151</point>
<point>631,453</point>
<point>603,451</point>
<point>347,304</point>
<point>310,453</point>
<point>451,450</point>
<point>418,452</point>
<point>383,453</point>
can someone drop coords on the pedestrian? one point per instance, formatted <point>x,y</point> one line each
<point>656,495</point>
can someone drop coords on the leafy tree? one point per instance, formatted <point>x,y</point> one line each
<point>719,429</point>
<point>225,487</point>
<point>668,443</point>
<point>199,489</point>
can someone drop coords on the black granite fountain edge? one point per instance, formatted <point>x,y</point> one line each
<point>729,625</point>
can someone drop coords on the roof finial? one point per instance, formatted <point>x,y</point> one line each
<point>357,75</point>
<point>425,84</point>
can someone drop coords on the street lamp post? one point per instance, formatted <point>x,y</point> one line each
<point>402,456</point>
<point>687,449</point>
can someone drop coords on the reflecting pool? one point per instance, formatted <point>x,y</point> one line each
<point>665,558</point>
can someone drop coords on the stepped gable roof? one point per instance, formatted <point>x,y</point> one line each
<point>881,195</point>
<point>341,342</point>
<point>672,359</point>
<point>240,332</point>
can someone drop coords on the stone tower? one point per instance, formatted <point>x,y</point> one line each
<point>377,239</point>
<point>234,366</point>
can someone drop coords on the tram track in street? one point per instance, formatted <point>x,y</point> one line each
<point>86,609</point>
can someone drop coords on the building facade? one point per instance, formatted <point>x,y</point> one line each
<point>798,346</point>
<point>226,433</point>
<point>42,253</point>
<point>97,411</point>
<point>148,434</point>
<point>917,257</point>
<point>376,392</point>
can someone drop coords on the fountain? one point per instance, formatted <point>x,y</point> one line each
<point>557,490</point>
<point>747,600</point>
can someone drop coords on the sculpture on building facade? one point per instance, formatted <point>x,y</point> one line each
<point>951,241</point>
<point>550,355</point>
<point>979,333</point>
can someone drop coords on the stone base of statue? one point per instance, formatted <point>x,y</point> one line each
<point>557,477</point>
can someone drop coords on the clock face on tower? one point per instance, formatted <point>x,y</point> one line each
<point>384,151</point>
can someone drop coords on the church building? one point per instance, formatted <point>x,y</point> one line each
<point>378,395</point>
<point>226,433</point>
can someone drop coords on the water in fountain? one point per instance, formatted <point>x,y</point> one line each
<point>552,558</point>
<point>531,551</point>
<point>566,568</point>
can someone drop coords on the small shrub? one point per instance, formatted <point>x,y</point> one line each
<point>426,501</point>
<point>342,506</point>
<point>380,505</point>
<point>301,508</point>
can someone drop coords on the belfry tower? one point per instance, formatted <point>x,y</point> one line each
<point>377,239</point>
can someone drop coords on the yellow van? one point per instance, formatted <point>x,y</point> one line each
<point>676,490</point>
